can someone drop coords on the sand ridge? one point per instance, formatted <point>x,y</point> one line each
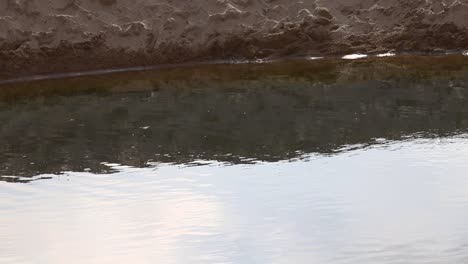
<point>38,36</point>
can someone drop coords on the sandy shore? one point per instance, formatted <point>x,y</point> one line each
<point>72,35</point>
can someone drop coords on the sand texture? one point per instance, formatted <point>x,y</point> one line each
<point>45,36</point>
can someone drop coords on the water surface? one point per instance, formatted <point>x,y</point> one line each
<point>292,162</point>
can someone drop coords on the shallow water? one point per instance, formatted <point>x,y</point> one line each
<point>292,162</point>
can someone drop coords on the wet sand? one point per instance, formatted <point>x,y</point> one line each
<point>75,35</point>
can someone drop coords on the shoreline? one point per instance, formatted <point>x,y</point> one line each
<point>166,66</point>
<point>60,36</point>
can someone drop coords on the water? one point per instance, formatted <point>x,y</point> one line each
<point>292,162</point>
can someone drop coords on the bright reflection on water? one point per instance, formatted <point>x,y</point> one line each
<point>300,162</point>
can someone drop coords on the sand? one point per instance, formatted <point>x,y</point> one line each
<point>39,36</point>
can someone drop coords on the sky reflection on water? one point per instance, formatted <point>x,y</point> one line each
<point>291,162</point>
<point>405,201</point>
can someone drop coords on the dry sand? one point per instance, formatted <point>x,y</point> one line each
<point>44,36</point>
